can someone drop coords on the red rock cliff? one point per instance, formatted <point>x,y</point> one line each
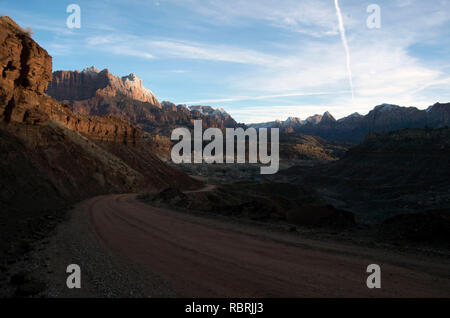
<point>76,86</point>
<point>26,70</point>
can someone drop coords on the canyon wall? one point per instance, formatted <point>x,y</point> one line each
<point>76,86</point>
<point>26,69</point>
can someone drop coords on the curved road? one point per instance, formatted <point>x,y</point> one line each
<point>205,257</point>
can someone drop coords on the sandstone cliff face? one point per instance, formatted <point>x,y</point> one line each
<point>26,70</point>
<point>76,86</point>
<point>24,66</point>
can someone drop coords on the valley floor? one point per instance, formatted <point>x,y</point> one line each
<point>127,248</point>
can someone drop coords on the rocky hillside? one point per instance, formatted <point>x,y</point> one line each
<point>410,157</point>
<point>52,157</point>
<point>296,147</point>
<point>388,174</point>
<point>353,128</point>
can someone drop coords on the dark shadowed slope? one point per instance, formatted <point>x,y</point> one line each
<point>391,173</point>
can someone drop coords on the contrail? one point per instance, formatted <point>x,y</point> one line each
<point>344,43</point>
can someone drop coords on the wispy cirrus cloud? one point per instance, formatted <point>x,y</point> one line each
<point>212,52</point>
<point>308,17</point>
<point>170,48</point>
<point>263,97</point>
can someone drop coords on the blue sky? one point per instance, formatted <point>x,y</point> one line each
<point>261,60</point>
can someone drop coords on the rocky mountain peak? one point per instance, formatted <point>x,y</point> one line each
<point>351,117</point>
<point>355,115</point>
<point>315,119</point>
<point>293,120</point>
<point>132,80</point>
<point>386,107</point>
<point>77,86</point>
<point>438,106</point>
<point>327,117</point>
<point>91,70</point>
<point>211,111</point>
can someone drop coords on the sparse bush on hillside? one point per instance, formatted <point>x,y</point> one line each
<point>28,31</point>
<point>5,20</point>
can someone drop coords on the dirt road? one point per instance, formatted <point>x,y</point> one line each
<point>204,257</point>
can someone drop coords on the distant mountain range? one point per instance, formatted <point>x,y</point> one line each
<point>353,128</point>
<point>94,92</point>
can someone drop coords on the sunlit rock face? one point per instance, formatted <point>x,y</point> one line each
<point>89,83</point>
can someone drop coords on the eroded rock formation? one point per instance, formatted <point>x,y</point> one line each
<point>26,69</point>
<point>76,86</point>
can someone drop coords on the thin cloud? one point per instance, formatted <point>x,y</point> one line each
<point>308,17</point>
<point>212,52</point>
<point>118,45</point>
<point>249,98</point>
<point>124,50</point>
<point>148,48</point>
